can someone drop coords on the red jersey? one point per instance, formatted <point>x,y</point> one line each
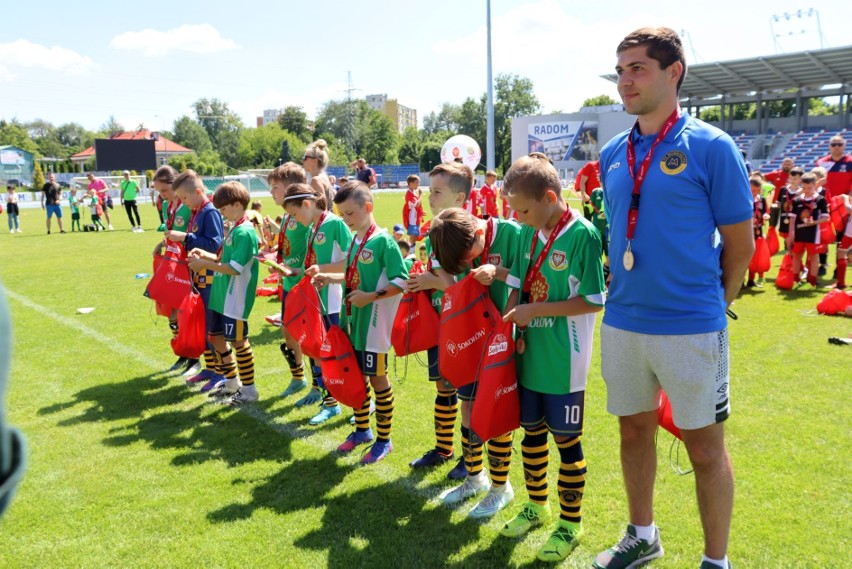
<point>592,170</point>
<point>412,210</point>
<point>839,179</point>
<point>472,204</point>
<point>777,178</point>
<point>488,199</point>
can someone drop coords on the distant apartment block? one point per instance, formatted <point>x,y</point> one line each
<point>271,115</point>
<point>401,116</point>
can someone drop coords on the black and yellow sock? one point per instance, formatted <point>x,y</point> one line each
<point>245,364</point>
<point>316,372</point>
<point>228,369</point>
<point>472,449</point>
<point>362,414</point>
<point>572,480</point>
<point>384,414</point>
<point>446,410</point>
<point>173,326</point>
<point>297,369</point>
<point>210,361</point>
<point>499,458</point>
<point>535,453</point>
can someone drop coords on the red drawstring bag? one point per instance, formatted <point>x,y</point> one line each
<point>497,407</point>
<point>303,317</point>
<point>467,319</point>
<point>772,241</point>
<point>839,213</point>
<point>341,374</point>
<point>271,279</point>
<point>835,302</point>
<point>785,278</point>
<point>171,283</point>
<point>826,233</point>
<point>161,310</point>
<point>760,261</point>
<point>266,291</point>
<point>664,418</point>
<point>191,339</point>
<point>416,325</point>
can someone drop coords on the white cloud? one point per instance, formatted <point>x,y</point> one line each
<point>194,38</point>
<point>22,54</point>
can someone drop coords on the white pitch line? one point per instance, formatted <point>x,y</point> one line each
<point>315,439</point>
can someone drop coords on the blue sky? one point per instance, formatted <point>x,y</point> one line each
<point>146,62</point>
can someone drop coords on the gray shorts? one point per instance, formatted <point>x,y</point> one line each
<point>691,368</point>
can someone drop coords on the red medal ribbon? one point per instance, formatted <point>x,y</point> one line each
<point>195,213</point>
<point>282,234</point>
<point>533,271</point>
<point>639,177</point>
<point>237,224</point>
<point>310,254</point>
<point>489,234</point>
<point>351,268</point>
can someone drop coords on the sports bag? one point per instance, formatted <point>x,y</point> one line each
<point>416,325</point>
<point>171,284</point>
<point>191,339</point>
<point>341,374</point>
<point>497,406</point>
<point>303,317</point>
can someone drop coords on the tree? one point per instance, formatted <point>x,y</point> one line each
<point>15,134</point>
<point>410,146</point>
<point>710,114</point>
<point>445,120</point>
<point>261,147</point>
<point>44,134</point>
<point>380,140</point>
<point>600,101</point>
<point>74,137</point>
<point>110,127</point>
<point>514,97</point>
<point>471,118</point>
<point>222,125</point>
<point>294,119</point>
<point>286,156</point>
<point>38,176</point>
<point>190,134</point>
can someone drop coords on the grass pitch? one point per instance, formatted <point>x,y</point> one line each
<point>130,468</point>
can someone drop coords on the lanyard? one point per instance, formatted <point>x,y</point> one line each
<point>309,258</point>
<point>237,224</point>
<point>351,268</point>
<point>170,223</point>
<point>489,233</point>
<point>196,212</point>
<point>639,177</point>
<point>533,271</point>
<point>282,236</point>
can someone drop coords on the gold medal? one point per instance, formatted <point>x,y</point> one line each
<point>628,259</point>
<point>520,344</point>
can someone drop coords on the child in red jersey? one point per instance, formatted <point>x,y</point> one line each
<point>488,195</point>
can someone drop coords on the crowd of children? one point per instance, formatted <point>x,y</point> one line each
<point>361,271</point>
<point>542,264</point>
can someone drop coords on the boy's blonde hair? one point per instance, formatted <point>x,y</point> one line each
<point>190,180</point>
<point>531,176</point>
<point>459,177</point>
<point>289,172</point>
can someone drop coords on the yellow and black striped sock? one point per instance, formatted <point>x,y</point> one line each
<point>245,364</point>
<point>499,458</point>
<point>318,383</point>
<point>316,373</point>
<point>472,452</point>
<point>362,415</point>
<point>173,325</point>
<point>384,414</point>
<point>446,410</point>
<point>228,369</point>
<point>572,480</point>
<point>297,369</point>
<point>535,453</point>
<point>210,361</point>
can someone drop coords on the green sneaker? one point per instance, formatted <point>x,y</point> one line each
<point>530,516</point>
<point>630,551</point>
<point>562,542</point>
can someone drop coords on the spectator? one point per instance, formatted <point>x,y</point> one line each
<point>778,178</point>
<point>12,209</point>
<point>588,178</point>
<point>50,200</point>
<point>101,190</point>
<point>315,161</point>
<point>129,189</point>
<point>364,173</point>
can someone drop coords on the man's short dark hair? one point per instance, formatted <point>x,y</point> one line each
<point>663,45</point>
<point>354,190</point>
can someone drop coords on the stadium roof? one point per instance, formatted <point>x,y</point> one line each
<point>768,73</point>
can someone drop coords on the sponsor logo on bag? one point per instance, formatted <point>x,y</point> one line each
<point>448,303</point>
<point>499,345</point>
<point>411,317</point>
<point>504,390</point>
<point>172,278</point>
<point>326,345</point>
<point>456,349</point>
<point>333,381</point>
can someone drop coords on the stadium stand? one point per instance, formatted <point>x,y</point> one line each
<point>805,147</point>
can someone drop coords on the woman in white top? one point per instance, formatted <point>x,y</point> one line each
<point>12,209</point>
<point>315,162</point>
